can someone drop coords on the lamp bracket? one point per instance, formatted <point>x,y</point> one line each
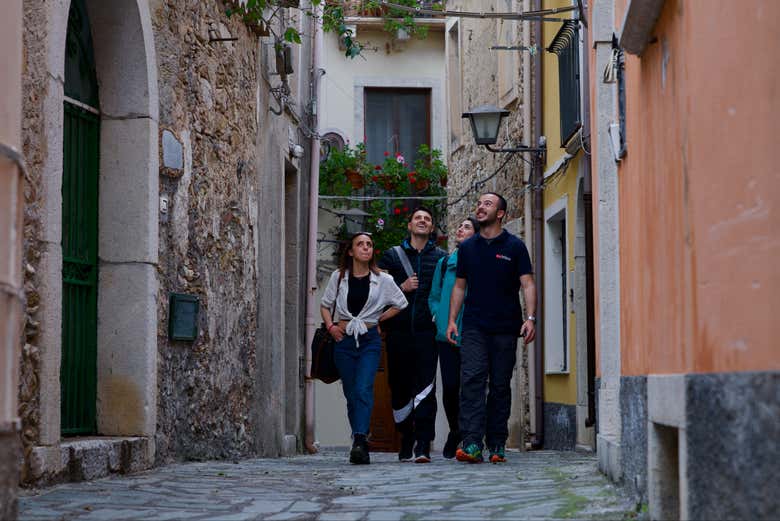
<point>517,149</point>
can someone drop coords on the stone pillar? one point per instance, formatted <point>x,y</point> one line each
<point>11,294</point>
<point>606,252</point>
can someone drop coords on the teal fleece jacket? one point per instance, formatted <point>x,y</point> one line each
<point>439,298</point>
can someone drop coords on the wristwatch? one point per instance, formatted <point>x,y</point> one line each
<point>531,318</point>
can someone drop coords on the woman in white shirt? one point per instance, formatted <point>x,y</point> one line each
<point>364,296</point>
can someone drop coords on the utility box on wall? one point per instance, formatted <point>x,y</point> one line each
<point>183,317</point>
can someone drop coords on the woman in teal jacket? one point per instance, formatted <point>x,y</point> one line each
<point>449,355</point>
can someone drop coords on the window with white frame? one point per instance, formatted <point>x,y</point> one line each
<point>555,288</point>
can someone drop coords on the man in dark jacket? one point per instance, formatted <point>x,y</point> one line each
<point>411,339</point>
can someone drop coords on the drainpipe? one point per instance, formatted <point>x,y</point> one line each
<point>587,197</point>
<point>537,204</point>
<point>312,309</point>
<point>12,301</point>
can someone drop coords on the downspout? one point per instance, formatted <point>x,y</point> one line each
<point>311,262</point>
<point>537,441</point>
<point>528,232</point>
<point>587,197</point>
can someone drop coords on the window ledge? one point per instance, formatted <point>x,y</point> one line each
<point>638,24</point>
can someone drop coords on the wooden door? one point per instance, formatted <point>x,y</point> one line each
<point>384,437</point>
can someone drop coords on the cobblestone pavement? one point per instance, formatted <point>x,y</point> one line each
<point>531,485</point>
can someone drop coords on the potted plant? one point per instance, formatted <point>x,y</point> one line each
<point>393,183</point>
<point>344,171</point>
<point>428,168</point>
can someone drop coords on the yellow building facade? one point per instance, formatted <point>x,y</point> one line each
<point>567,424</point>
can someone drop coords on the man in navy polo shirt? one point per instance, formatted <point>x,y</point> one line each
<point>494,264</point>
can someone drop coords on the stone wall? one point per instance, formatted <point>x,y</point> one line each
<point>35,86</point>
<point>470,163</point>
<point>223,151</point>
<point>207,248</point>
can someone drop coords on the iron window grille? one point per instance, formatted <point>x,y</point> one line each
<point>565,45</point>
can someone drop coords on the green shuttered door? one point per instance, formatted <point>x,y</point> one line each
<point>78,374</point>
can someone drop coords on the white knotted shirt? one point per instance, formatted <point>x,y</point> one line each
<point>382,292</point>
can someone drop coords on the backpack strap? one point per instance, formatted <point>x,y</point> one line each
<point>404,260</point>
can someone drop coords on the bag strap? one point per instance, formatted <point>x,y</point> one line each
<point>338,287</point>
<point>404,260</point>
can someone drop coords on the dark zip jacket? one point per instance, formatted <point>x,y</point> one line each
<point>416,316</point>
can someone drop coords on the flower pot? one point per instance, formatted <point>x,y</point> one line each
<point>388,184</point>
<point>421,185</point>
<point>354,178</point>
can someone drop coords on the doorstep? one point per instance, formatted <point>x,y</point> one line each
<point>85,459</point>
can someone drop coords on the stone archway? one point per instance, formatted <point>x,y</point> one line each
<point>128,222</point>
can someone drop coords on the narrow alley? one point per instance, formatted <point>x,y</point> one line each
<point>532,485</point>
<point>248,245</point>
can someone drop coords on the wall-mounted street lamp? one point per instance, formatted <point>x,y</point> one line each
<point>485,124</point>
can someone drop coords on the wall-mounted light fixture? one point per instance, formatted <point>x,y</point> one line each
<point>485,124</point>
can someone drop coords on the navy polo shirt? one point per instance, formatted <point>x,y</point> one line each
<point>492,270</point>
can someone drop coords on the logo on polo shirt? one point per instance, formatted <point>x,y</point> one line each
<point>504,257</point>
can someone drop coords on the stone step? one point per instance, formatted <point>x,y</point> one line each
<point>84,459</point>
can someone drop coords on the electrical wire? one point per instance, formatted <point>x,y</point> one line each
<point>384,198</point>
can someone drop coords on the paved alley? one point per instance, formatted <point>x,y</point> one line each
<point>532,485</point>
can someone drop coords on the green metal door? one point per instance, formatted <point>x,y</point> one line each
<point>78,374</point>
<point>81,138</point>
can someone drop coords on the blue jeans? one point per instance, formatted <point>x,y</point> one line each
<point>357,368</point>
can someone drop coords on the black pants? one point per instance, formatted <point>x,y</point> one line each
<point>486,359</point>
<point>411,366</point>
<point>449,363</point>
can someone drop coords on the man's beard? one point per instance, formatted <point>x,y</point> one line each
<point>489,220</point>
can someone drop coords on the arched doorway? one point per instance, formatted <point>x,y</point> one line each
<point>98,276</point>
<point>81,155</point>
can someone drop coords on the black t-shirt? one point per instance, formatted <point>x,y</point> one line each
<point>357,296</point>
<point>492,270</point>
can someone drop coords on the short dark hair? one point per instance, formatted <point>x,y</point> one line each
<point>418,209</point>
<point>474,222</point>
<point>501,200</point>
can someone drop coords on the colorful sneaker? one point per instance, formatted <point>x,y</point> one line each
<point>422,452</point>
<point>497,454</point>
<point>407,445</point>
<point>471,454</point>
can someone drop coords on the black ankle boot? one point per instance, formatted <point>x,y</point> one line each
<point>359,453</point>
<point>407,445</point>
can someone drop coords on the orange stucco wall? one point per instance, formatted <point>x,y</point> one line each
<point>700,190</point>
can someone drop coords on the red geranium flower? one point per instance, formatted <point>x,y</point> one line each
<point>406,208</point>
<point>397,211</point>
<point>374,178</point>
<point>387,154</point>
<point>377,167</point>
